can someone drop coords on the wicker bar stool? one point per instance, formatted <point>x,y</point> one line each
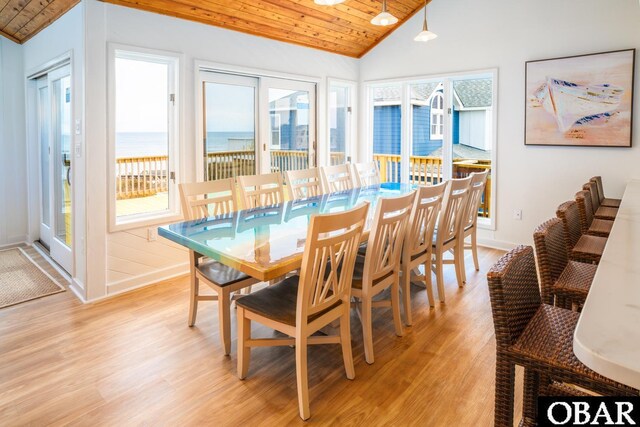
<point>600,212</point>
<point>580,247</point>
<point>613,203</point>
<point>534,335</point>
<point>590,225</point>
<point>568,281</point>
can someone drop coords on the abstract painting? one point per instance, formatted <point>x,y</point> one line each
<point>584,100</point>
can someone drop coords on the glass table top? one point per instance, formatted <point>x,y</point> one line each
<point>268,242</point>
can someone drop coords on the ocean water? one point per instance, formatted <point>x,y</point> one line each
<point>155,144</point>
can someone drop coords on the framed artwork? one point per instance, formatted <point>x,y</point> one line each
<point>584,100</point>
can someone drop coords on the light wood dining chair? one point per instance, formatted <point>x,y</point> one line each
<point>302,184</point>
<point>257,191</point>
<point>447,236</point>
<point>301,305</point>
<point>200,200</point>
<point>366,174</point>
<point>469,227</point>
<point>379,268</point>
<point>418,249</point>
<point>336,178</point>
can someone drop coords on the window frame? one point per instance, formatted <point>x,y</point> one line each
<point>406,137</point>
<point>174,62</point>
<point>438,113</point>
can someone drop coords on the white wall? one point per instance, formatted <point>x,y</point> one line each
<point>124,260</point>
<point>64,37</point>
<point>473,131</point>
<point>485,34</point>
<point>13,176</point>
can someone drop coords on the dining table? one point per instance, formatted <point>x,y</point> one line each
<point>607,336</point>
<point>268,242</point>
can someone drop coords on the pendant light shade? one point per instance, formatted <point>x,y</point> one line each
<point>384,18</point>
<point>425,35</point>
<point>328,2</point>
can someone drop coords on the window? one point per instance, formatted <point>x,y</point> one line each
<point>437,116</point>
<point>143,136</point>
<point>341,95</point>
<point>426,130</point>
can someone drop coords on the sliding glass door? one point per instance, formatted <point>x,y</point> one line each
<point>256,125</point>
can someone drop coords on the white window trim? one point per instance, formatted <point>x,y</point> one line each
<point>351,122</point>
<point>367,99</point>
<point>440,113</point>
<point>171,214</point>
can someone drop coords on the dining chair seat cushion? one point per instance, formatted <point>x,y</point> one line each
<point>548,340</point>
<point>605,212</point>
<point>600,227</point>
<point>611,203</point>
<point>575,280</point>
<point>278,302</point>
<point>358,274</point>
<point>220,274</point>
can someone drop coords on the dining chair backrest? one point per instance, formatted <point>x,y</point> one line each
<point>476,189</point>
<point>386,237</point>
<point>514,293</point>
<point>599,187</point>
<point>209,198</point>
<point>422,221</point>
<point>568,213</point>
<point>328,260</point>
<point>367,174</point>
<point>452,211</point>
<point>592,188</point>
<point>302,184</point>
<point>551,253</point>
<point>585,209</point>
<point>261,190</point>
<point>336,178</point>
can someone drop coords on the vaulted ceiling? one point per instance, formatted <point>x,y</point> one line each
<point>344,28</point>
<point>22,19</point>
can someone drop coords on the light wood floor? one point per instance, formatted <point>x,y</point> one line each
<point>132,360</point>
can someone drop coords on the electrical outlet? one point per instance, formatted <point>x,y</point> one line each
<point>517,214</point>
<point>152,234</point>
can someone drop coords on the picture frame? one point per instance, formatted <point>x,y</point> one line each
<point>581,100</point>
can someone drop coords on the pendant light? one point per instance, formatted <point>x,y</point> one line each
<point>384,18</point>
<point>328,2</point>
<point>425,35</point>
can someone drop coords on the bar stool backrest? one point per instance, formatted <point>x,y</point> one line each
<point>551,253</point>
<point>568,213</point>
<point>585,209</point>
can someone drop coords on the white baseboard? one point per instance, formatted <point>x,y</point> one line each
<point>77,288</point>
<point>12,243</point>
<point>141,281</point>
<point>496,244</point>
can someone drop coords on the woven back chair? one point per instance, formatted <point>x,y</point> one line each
<point>257,191</point>
<point>600,212</point>
<point>302,184</point>
<point>418,247</point>
<point>209,198</point>
<point>367,174</point>
<point>336,178</point>
<point>604,201</point>
<point>301,305</point>
<point>551,253</point>
<point>570,216</point>
<point>585,210</point>
<point>538,337</point>
<point>379,269</point>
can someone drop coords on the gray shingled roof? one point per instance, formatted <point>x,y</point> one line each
<point>461,151</point>
<point>472,93</point>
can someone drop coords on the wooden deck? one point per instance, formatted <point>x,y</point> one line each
<point>132,360</point>
<point>155,203</point>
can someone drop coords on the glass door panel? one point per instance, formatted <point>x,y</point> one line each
<point>339,124</point>
<point>62,159</point>
<point>230,104</point>
<point>427,137</point>
<point>291,108</point>
<point>387,131</point>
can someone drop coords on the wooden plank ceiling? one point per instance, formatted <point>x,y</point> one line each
<point>344,28</point>
<point>22,19</point>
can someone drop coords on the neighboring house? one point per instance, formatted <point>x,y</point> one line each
<point>290,122</point>
<point>471,119</point>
